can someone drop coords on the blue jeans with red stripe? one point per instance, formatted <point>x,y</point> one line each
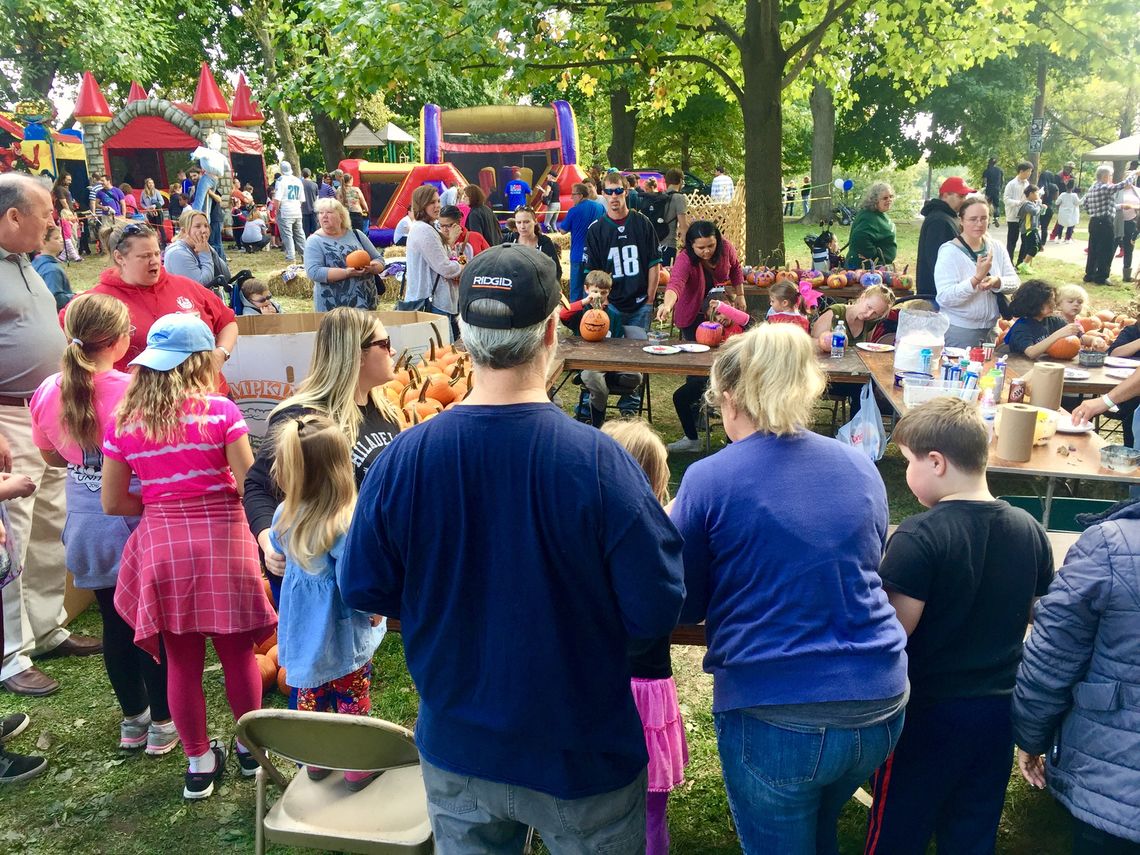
<point>946,779</point>
<point>788,783</point>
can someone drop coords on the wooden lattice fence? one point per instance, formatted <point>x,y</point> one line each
<point>729,216</point>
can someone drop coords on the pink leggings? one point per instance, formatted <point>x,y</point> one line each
<point>185,659</point>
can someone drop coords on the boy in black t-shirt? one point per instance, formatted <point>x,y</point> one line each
<point>1037,328</point>
<point>962,578</point>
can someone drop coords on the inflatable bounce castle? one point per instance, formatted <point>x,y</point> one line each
<point>534,140</point>
<point>151,137</point>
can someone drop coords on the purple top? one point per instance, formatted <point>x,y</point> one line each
<point>687,281</point>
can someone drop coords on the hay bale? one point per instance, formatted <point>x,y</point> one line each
<point>291,282</point>
<point>395,253</point>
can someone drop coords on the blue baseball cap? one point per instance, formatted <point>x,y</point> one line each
<point>171,340</point>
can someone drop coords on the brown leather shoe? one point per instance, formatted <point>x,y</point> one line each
<point>32,682</point>
<point>76,645</point>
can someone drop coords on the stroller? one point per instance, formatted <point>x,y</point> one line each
<point>822,259</point>
<point>843,213</point>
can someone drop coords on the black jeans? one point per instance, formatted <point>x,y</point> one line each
<point>1102,244</point>
<point>1088,840</point>
<point>687,397</point>
<point>1046,219</point>
<point>1013,232</point>
<point>1128,242</point>
<point>358,221</point>
<point>137,680</point>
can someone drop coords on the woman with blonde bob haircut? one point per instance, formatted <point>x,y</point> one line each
<point>807,658</point>
<point>352,356</point>
<point>326,250</point>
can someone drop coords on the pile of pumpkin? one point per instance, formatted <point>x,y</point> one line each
<point>1100,331</point>
<point>423,390</point>
<point>763,277</point>
<point>272,674</point>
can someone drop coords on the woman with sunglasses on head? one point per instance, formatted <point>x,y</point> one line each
<point>139,281</point>
<point>527,234</point>
<point>352,356</point>
<point>873,239</point>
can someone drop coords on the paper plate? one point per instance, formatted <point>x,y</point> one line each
<point>1065,425</point>
<point>693,348</point>
<point>1119,373</point>
<point>661,349</point>
<point>955,352</point>
<point>1076,374</point>
<point>1121,362</point>
<point>874,347</point>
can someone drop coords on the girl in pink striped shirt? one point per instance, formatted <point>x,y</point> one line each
<point>190,570</point>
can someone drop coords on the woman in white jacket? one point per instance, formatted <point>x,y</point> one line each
<point>969,274</point>
<point>429,266</point>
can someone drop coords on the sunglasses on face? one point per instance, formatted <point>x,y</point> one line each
<point>613,191</point>
<point>384,343</point>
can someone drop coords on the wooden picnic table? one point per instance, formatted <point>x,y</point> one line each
<point>622,354</point>
<point>1082,460</point>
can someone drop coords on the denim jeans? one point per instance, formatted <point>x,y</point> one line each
<point>638,318</point>
<point>788,783</point>
<point>577,280</point>
<point>476,815</point>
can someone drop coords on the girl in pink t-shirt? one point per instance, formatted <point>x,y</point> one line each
<point>190,571</point>
<point>70,413</point>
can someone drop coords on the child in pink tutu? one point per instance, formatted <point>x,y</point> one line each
<point>190,570</point>
<point>651,667</point>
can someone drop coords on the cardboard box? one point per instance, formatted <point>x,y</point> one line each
<point>274,351</point>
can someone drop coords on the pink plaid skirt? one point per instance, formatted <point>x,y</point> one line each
<point>656,702</point>
<point>191,567</point>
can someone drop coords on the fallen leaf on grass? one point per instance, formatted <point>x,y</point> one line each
<point>43,741</point>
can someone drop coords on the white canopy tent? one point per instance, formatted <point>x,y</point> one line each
<point>1122,150</point>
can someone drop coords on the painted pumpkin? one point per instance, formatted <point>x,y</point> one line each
<point>1065,348</point>
<point>710,333</point>
<point>871,278</point>
<point>595,325</point>
<point>853,276</point>
<point>837,280</point>
<point>765,277</point>
<point>787,276</point>
<point>357,258</point>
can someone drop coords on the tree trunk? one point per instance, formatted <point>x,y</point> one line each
<point>686,152</point>
<point>1039,105</point>
<point>280,118</point>
<point>762,71</point>
<point>624,121</point>
<point>822,153</point>
<point>330,134</point>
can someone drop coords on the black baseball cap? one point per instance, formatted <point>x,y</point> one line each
<point>522,279</point>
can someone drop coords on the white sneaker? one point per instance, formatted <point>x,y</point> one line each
<point>685,446</point>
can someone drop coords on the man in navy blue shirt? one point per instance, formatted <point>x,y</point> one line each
<point>577,220</point>
<point>516,622</point>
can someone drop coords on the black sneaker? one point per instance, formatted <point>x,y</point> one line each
<point>20,767</point>
<point>247,763</point>
<point>13,725</point>
<point>200,785</point>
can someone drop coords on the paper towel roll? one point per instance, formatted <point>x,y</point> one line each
<point>1015,442</point>
<point>1046,381</point>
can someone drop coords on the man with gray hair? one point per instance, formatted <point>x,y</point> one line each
<point>1100,204</point>
<point>516,621</point>
<point>31,346</point>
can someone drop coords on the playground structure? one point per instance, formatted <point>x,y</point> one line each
<point>474,145</point>
<point>27,142</point>
<point>151,137</point>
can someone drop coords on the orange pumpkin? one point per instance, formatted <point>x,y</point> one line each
<point>1065,348</point>
<point>837,280</point>
<point>271,654</point>
<point>263,648</point>
<point>662,276</point>
<point>439,389</point>
<point>357,258</point>
<point>1106,315</point>
<point>1126,321</point>
<point>282,686</point>
<point>1090,324</point>
<point>765,277</point>
<point>595,325</point>
<point>267,668</point>
<point>710,333</point>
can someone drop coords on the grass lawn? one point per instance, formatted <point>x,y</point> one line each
<point>95,799</point>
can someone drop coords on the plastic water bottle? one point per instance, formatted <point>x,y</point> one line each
<point>989,412</point>
<point>839,341</point>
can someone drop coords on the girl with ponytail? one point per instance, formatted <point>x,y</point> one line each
<point>71,411</point>
<point>324,646</point>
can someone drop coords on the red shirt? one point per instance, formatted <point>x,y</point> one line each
<point>170,295</point>
<point>477,241</point>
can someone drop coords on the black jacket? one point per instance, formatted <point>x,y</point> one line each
<point>939,224</point>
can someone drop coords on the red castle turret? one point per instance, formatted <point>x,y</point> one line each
<point>91,107</point>
<point>245,111</point>
<point>137,93</point>
<point>209,103</point>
